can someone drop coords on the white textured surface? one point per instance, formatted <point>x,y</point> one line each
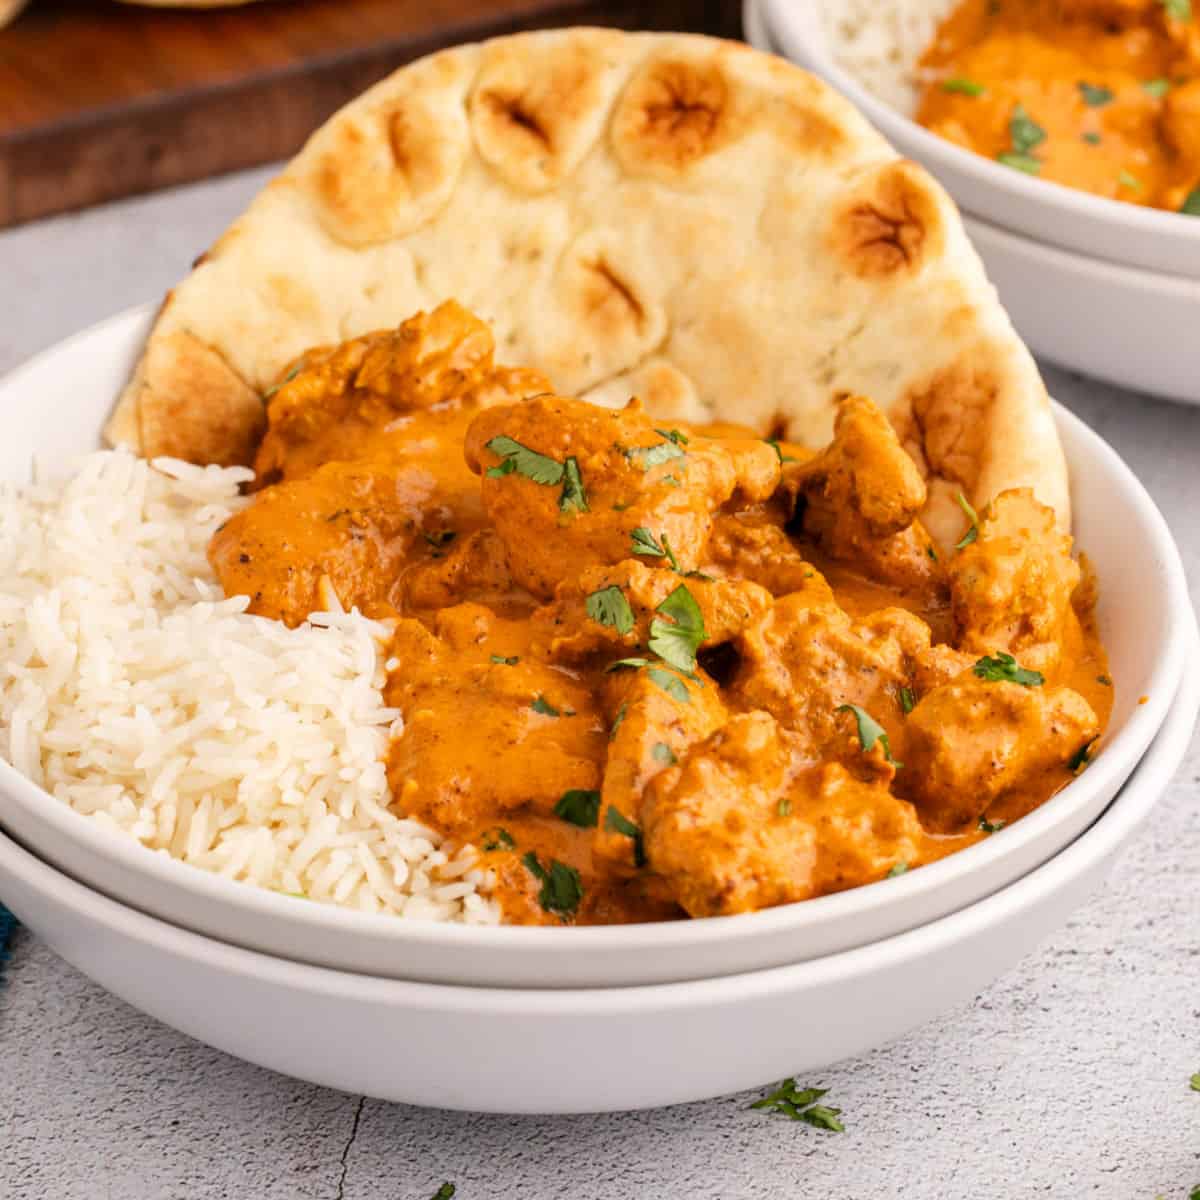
<point>1067,1078</point>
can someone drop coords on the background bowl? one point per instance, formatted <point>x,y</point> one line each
<point>582,1050</point>
<point>1046,211</point>
<point>1124,323</point>
<point>55,405</point>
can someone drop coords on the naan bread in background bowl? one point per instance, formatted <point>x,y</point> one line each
<point>670,216</point>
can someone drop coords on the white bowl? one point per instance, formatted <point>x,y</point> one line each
<point>1132,326</point>
<point>55,405</point>
<point>1046,211</point>
<point>583,1050</point>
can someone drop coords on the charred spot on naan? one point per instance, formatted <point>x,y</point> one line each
<point>890,224</point>
<point>536,111</point>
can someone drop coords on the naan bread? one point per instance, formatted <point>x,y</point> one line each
<point>673,216</point>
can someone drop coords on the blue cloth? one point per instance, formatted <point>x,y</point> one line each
<point>8,923</point>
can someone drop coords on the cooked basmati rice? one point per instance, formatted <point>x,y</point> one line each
<point>881,44</point>
<point>133,691</point>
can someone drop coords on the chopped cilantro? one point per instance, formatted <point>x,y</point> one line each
<point>1129,181</point>
<point>542,705</point>
<point>503,661</point>
<point>297,895</point>
<point>800,1104</point>
<point>609,606</point>
<point>1094,95</point>
<point>501,839</point>
<point>631,663</point>
<point>1092,139</point>
<point>674,435</point>
<point>1003,669</point>
<point>580,807</point>
<point>1105,680</point>
<point>784,807</point>
<point>901,868</point>
<point>1082,757</point>
<point>647,545</point>
<point>1191,205</point>
<point>293,371</point>
<point>663,753</point>
<point>870,732</point>
<point>1178,10</point>
<point>445,1192</point>
<point>1195,1082</point>
<point>520,459</point>
<point>540,468</point>
<point>987,826</point>
<point>653,456</point>
<point>963,86</point>
<point>972,516</point>
<point>1156,87</point>
<point>561,890</point>
<point>1020,162</point>
<point>677,638</point>
<point>1025,132</point>
<point>907,700</point>
<point>783,458</point>
<point>612,733</point>
<point>671,684</point>
<point>931,552</point>
<point>616,821</point>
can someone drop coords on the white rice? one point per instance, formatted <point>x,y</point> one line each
<point>131,690</point>
<point>881,44</point>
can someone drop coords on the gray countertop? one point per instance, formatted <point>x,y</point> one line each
<point>1068,1077</point>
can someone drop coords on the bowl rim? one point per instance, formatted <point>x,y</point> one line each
<point>393,933</point>
<point>1102,839</point>
<point>1118,219</point>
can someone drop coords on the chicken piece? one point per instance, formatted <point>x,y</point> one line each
<point>859,499</point>
<point>535,730</point>
<point>651,730</point>
<point>747,545</point>
<point>571,632</point>
<point>1011,588</point>
<point>807,658</point>
<point>473,568</point>
<point>332,398</point>
<point>344,523</point>
<point>568,485</point>
<point>747,822</point>
<point>972,740</point>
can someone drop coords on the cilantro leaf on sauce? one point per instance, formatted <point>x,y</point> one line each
<point>1025,132</point>
<point>1020,162</point>
<point>784,807</point>
<point>901,868</point>
<point>869,732</point>
<point>783,458</point>
<point>542,705</point>
<point>501,839</point>
<point>580,807</point>
<point>671,684</point>
<point>1082,758</point>
<point>963,86</point>
<point>509,660</point>
<point>1191,205</point>
<point>800,1104</point>
<point>674,435</point>
<point>987,826</point>
<point>648,546</point>
<point>616,821</point>
<point>540,468</point>
<point>653,456</point>
<point>1004,669</point>
<point>907,700</point>
<point>1094,95</point>
<point>677,638</point>
<point>608,606</point>
<point>1156,87</point>
<point>1126,180</point>
<point>561,890</point>
<point>1092,139</point>
<point>1178,10</point>
<point>972,516</point>
<point>663,753</point>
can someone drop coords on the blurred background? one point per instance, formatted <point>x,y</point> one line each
<point>102,98</point>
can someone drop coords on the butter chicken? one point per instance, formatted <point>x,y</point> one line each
<point>652,671</point>
<point>1101,95</point>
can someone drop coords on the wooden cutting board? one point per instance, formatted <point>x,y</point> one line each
<point>100,100</point>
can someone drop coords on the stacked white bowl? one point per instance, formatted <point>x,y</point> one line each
<point>570,1020</point>
<point>1105,288</point>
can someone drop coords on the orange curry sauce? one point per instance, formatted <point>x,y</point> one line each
<point>624,650</point>
<point>1101,95</point>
